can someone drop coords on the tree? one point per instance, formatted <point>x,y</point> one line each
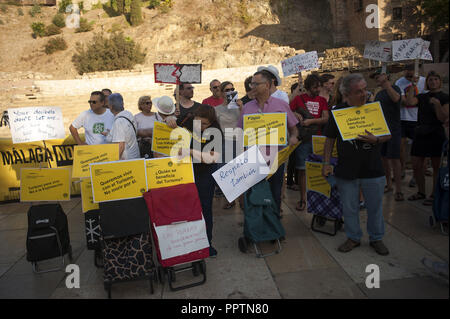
<point>437,12</point>
<point>120,6</point>
<point>136,13</point>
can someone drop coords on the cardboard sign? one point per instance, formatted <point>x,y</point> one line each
<point>265,129</point>
<point>281,158</point>
<point>243,172</point>
<point>232,98</point>
<point>303,62</point>
<point>409,49</point>
<point>176,73</point>
<point>44,184</point>
<point>318,144</point>
<point>353,121</point>
<point>87,199</point>
<point>168,141</point>
<point>378,51</point>
<point>118,180</point>
<point>181,239</point>
<point>168,171</point>
<point>315,180</point>
<point>426,54</point>
<point>87,154</point>
<point>29,124</point>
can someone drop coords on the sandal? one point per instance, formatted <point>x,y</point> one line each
<point>399,197</point>
<point>417,196</point>
<point>301,205</point>
<point>388,189</point>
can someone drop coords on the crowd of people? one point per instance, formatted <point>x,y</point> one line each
<point>415,109</point>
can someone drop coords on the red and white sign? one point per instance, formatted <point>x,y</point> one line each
<point>303,62</point>
<point>175,73</point>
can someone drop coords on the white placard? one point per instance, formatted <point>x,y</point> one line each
<point>410,49</point>
<point>379,51</point>
<point>232,98</point>
<point>191,73</point>
<point>36,123</point>
<point>181,239</point>
<point>243,172</point>
<point>426,54</point>
<point>299,63</point>
<point>166,73</point>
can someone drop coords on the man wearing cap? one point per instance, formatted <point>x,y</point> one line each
<point>272,72</point>
<point>216,98</point>
<point>390,100</point>
<point>265,103</point>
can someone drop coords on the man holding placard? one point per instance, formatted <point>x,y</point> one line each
<point>359,166</point>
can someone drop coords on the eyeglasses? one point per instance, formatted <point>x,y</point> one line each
<point>92,102</point>
<point>255,84</point>
<point>229,90</point>
<point>148,103</point>
<point>215,87</point>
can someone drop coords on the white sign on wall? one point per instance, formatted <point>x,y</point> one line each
<point>30,124</point>
<point>299,63</point>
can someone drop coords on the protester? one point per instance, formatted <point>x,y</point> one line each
<point>187,106</point>
<point>292,176</point>
<point>248,91</point>
<point>327,82</point>
<point>312,112</point>
<point>408,113</point>
<point>429,132</point>
<point>123,130</point>
<point>359,165</point>
<point>216,98</point>
<point>272,73</point>
<point>95,121</point>
<point>390,100</point>
<point>106,93</point>
<point>265,103</point>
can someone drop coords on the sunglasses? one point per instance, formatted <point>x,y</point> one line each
<point>147,103</point>
<point>215,87</point>
<point>93,102</point>
<point>229,90</point>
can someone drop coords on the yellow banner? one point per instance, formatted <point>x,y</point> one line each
<point>87,199</point>
<point>265,129</point>
<point>353,121</point>
<point>44,184</point>
<point>168,141</point>
<point>168,171</point>
<point>87,154</point>
<point>315,180</point>
<point>281,158</point>
<point>318,143</point>
<point>118,180</point>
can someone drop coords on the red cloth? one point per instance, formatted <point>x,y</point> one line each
<point>315,105</point>
<point>212,101</point>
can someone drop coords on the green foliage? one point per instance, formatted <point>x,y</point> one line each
<point>108,54</point>
<point>56,44</point>
<point>136,13</point>
<point>243,13</point>
<point>3,8</point>
<point>39,29</point>
<point>120,6</point>
<point>20,11</point>
<point>85,26</point>
<point>35,10</point>
<point>98,5</point>
<point>52,30</point>
<point>438,12</point>
<point>165,6</point>
<point>59,20</point>
<point>63,5</point>
<point>154,4</point>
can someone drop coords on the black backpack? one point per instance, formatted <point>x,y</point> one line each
<point>48,233</point>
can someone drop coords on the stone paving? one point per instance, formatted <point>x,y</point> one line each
<point>309,265</point>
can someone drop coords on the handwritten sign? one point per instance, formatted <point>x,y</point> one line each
<point>181,239</point>
<point>426,54</point>
<point>175,73</point>
<point>87,154</point>
<point>168,171</point>
<point>30,124</point>
<point>265,129</point>
<point>353,121</point>
<point>118,180</point>
<point>378,51</point>
<point>281,158</point>
<point>87,199</point>
<point>409,49</point>
<point>44,184</point>
<point>243,172</point>
<point>318,143</point>
<point>168,141</point>
<point>303,62</point>
<point>315,180</point>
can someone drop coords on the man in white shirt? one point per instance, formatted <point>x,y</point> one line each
<point>408,114</point>
<point>95,121</point>
<point>123,129</point>
<point>276,81</point>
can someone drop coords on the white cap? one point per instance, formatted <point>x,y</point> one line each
<point>272,70</point>
<point>165,105</point>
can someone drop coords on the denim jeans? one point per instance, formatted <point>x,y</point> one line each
<point>373,191</point>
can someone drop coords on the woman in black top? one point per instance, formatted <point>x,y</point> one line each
<point>429,134</point>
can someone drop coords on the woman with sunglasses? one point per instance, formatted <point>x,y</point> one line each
<point>227,116</point>
<point>145,121</point>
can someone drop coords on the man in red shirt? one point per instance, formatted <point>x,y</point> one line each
<point>310,109</point>
<point>215,99</point>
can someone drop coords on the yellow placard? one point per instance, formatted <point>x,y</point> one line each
<point>265,129</point>
<point>281,158</point>
<point>87,154</point>
<point>168,141</point>
<point>44,184</point>
<point>315,180</point>
<point>87,200</point>
<point>168,171</point>
<point>353,121</point>
<point>118,180</point>
<point>318,143</point>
